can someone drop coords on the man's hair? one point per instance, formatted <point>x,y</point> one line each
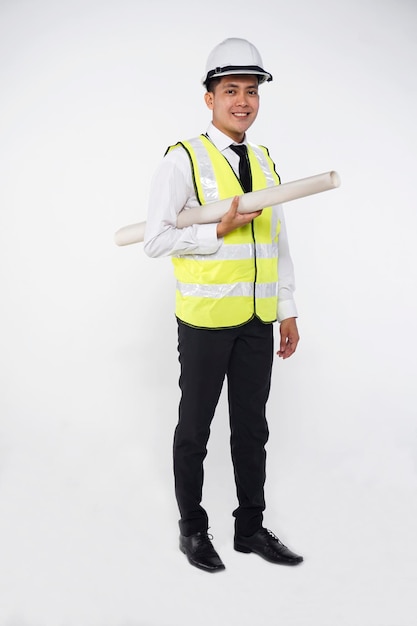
<point>212,83</point>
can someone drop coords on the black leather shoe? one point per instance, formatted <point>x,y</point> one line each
<point>268,546</point>
<point>200,552</point>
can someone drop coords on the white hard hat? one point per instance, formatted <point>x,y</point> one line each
<point>235,56</point>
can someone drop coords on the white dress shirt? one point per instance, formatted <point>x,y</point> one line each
<point>172,190</point>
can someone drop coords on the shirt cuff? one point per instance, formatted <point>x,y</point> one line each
<point>286,309</point>
<point>207,238</point>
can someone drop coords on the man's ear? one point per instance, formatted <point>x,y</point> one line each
<point>209,98</point>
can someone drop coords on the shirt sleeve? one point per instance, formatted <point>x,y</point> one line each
<point>172,190</point>
<point>286,278</point>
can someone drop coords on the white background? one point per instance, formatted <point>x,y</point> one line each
<point>92,93</point>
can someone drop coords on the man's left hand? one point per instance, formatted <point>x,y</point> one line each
<point>289,337</point>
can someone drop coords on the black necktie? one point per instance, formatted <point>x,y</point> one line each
<point>244,169</point>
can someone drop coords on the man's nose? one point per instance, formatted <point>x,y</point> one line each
<point>241,100</point>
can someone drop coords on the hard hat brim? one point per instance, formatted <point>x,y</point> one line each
<point>236,70</point>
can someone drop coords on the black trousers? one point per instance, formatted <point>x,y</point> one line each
<point>244,355</point>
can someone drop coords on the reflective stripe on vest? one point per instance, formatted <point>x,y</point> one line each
<point>240,280</point>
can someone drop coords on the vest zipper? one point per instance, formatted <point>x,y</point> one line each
<point>256,268</point>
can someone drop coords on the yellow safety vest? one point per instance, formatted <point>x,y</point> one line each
<point>240,280</point>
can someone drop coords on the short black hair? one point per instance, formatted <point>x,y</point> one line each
<point>212,83</point>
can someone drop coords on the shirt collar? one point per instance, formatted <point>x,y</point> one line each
<point>219,139</point>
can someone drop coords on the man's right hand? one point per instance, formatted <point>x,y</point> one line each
<point>233,219</point>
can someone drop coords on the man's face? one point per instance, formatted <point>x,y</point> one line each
<point>235,104</point>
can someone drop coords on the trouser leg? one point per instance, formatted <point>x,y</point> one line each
<point>203,356</point>
<point>249,378</point>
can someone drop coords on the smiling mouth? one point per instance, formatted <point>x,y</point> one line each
<point>241,114</point>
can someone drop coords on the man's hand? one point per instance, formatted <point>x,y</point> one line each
<point>289,338</point>
<point>232,219</point>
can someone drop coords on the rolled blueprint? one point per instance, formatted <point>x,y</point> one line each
<point>248,202</point>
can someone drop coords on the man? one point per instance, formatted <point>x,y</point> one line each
<point>228,296</point>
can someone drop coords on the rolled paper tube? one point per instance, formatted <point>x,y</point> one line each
<point>248,202</point>
<point>133,233</point>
